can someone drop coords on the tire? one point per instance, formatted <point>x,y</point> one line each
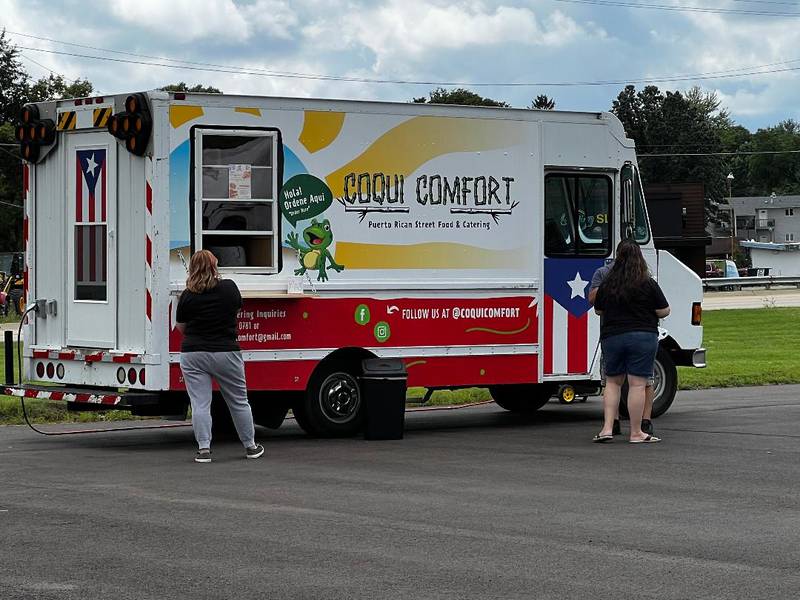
<point>333,405</point>
<point>666,385</point>
<point>269,409</point>
<point>522,398</point>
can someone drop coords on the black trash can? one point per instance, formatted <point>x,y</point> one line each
<point>383,384</point>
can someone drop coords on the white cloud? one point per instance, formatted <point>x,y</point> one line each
<point>414,29</point>
<point>270,16</point>
<point>721,43</point>
<point>466,40</point>
<point>187,20</point>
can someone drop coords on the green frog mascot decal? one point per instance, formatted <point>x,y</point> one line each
<point>314,256</point>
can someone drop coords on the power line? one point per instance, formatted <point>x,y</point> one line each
<point>151,56</point>
<point>679,8</point>
<point>294,73</point>
<point>10,204</point>
<point>769,2</point>
<point>288,73</point>
<point>49,70</point>
<point>11,154</point>
<point>241,71</point>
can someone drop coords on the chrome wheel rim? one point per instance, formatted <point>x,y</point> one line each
<point>658,381</point>
<point>339,397</point>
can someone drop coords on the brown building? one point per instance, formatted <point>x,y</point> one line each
<point>677,217</point>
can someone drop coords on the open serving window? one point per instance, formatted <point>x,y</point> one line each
<point>235,209</point>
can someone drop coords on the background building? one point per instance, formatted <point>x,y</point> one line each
<point>770,219</point>
<point>677,219</point>
<point>782,260</point>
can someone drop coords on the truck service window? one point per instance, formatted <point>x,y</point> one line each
<point>577,211</point>
<point>236,212</point>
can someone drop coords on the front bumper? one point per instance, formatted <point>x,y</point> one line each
<point>699,358</point>
<point>689,358</point>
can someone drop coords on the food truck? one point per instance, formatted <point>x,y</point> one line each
<point>458,239</point>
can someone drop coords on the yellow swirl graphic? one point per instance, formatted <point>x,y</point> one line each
<point>428,255</point>
<point>179,114</point>
<point>320,129</point>
<point>403,149</point>
<point>498,332</point>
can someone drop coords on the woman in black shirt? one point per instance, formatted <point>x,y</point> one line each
<point>631,303</point>
<point>206,315</point>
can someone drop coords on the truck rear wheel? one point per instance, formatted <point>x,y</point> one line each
<point>666,385</point>
<point>333,404</point>
<point>270,408</point>
<point>522,398</point>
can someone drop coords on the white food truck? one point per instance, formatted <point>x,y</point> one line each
<point>459,239</point>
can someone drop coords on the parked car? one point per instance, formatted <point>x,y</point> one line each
<point>712,270</point>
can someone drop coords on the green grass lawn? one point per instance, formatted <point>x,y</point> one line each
<point>745,347</point>
<point>44,411</point>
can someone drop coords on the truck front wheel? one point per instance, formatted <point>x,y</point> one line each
<point>666,385</point>
<point>522,398</point>
<point>333,404</point>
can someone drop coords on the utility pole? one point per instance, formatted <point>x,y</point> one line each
<point>733,215</point>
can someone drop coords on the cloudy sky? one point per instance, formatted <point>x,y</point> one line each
<point>399,41</point>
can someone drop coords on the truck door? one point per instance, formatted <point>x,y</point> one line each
<point>577,242</point>
<point>91,249</point>
<point>634,222</point>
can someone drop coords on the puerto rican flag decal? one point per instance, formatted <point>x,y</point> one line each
<point>90,189</point>
<point>90,217</point>
<point>571,327</point>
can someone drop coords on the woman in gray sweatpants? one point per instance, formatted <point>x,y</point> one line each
<point>206,315</point>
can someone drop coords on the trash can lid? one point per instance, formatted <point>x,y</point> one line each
<point>383,367</point>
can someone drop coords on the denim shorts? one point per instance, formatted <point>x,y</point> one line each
<point>630,353</point>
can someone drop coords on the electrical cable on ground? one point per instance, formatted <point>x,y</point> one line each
<point>33,308</point>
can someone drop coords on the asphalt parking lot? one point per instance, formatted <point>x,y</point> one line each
<point>476,503</point>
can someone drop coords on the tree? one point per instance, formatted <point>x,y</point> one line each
<point>672,124</point>
<point>16,91</point>
<point>10,191</point>
<point>738,139</point>
<point>13,80</point>
<point>779,173</point>
<point>460,96</point>
<point>56,87</point>
<point>542,102</point>
<point>182,87</point>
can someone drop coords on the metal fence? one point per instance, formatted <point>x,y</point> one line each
<point>767,281</point>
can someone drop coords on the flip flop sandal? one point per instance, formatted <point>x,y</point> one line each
<point>603,439</point>
<point>650,439</point>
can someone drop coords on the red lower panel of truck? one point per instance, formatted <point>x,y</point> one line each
<point>498,333</point>
<point>440,371</point>
<point>315,323</point>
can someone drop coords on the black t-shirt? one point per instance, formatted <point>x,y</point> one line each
<point>210,318</point>
<point>637,314</point>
